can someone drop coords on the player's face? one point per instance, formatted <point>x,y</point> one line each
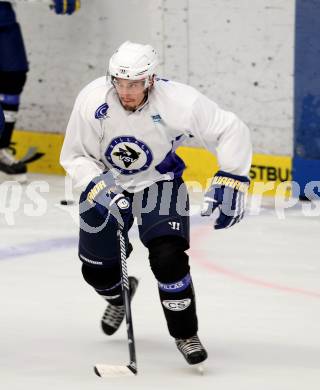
<point>131,92</point>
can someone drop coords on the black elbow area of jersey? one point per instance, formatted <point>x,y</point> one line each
<point>168,260</point>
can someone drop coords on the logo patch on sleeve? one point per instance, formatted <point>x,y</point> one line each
<point>101,111</point>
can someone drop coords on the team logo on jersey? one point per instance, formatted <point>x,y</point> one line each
<point>129,155</point>
<point>101,111</point>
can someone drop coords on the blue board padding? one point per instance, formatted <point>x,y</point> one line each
<point>307,92</point>
<point>305,171</point>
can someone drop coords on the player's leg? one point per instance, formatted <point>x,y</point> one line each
<point>13,69</point>
<point>98,250</point>
<point>166,235</point>
<point>106,282</point>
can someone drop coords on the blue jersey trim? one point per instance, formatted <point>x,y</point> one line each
<point>171,164</point>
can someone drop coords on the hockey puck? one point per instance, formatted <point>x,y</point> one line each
<point>66,202</point>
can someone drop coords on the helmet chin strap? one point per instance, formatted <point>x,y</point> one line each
<point>148,86</point>
<point>148,82</point>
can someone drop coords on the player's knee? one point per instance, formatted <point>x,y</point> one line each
<point>168,259</point>
<point>101,278</point>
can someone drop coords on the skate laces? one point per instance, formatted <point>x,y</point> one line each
<point>113,315</point>
<point>188,346</point>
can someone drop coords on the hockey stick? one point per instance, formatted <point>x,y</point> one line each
<point>107,370</point>
<point>31,155</point>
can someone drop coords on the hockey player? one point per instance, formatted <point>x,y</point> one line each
<point>120,144</point>
<point>13,70</point>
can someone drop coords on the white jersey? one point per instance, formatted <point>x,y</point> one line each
<point>139,146</point>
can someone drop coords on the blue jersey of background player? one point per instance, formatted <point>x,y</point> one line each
<point>13,70</point>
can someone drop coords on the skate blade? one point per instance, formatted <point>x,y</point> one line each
<point>20,178</point>
<point>111,371</point>
<point>199,368</point>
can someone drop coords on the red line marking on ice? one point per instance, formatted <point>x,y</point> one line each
<point>199,257</point>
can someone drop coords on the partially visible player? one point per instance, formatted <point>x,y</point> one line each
<point>63,7</point>
<point>120,148</point>
<point>13,71</point>
<point>1,120</point>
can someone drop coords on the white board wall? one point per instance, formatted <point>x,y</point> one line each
<point>238,52</point>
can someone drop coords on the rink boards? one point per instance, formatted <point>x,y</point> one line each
<point>267,171</point>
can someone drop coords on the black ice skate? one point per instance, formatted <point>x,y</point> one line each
<point>192,349</point>
<point>10,168</point>
<point>114,315</point>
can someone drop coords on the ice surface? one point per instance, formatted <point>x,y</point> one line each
<point>258,300</point>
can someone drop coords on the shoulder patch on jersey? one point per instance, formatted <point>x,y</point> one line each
<point>101,111</point>
<point>156,118</point>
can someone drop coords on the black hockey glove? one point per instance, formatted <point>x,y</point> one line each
<point>106,197</point>
<point>227,192</point>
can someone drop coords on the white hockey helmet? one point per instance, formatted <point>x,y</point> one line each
<point>133,61</point>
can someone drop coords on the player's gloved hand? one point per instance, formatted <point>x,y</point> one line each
<point>106,197</point>
<point>1,120</point>
<point>63,7</point>
<point>227,192</point>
